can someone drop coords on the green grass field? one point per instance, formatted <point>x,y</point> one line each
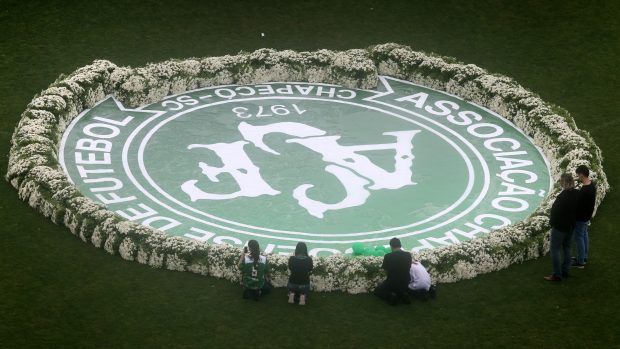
<point>57,292</point>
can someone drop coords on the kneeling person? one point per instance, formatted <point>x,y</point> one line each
<point>300,266</point>
<point>420,284</point>
<point>254,271</point>
<point>396,264</point>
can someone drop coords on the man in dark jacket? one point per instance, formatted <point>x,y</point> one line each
<point>562,220</point>
<point>585,209</point>
<point>396,264</point>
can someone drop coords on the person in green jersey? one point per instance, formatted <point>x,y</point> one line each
<point>300,266</point>
<point>254,272</point>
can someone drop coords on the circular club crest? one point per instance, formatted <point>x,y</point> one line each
<point>325,164</point>
<point>177,164</point>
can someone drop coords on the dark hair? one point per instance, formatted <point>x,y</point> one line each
<point>254,251</point>
<point>395,243</point>
<point>301,249</point>
<point>583,169</point>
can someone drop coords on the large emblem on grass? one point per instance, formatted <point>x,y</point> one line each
<point>325,164</point>
<point>176,164</point>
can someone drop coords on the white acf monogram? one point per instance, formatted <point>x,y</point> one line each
<point>353,170</point>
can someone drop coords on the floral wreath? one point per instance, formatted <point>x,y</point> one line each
<point>35,172</point>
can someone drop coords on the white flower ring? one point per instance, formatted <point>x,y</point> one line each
<point>35,172</point>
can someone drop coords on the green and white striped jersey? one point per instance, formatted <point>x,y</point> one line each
<point>254,277</point>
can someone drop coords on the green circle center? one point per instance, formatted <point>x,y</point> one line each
<point>438,172</point>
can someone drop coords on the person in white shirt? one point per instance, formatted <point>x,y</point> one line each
<point>420,283</point>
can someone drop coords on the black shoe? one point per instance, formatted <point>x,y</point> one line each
<point>432,292</point>
<point>392,298</point>
<point>578,265</point>
<point>552,278</point>
<point>574,260</point>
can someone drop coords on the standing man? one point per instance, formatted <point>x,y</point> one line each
<point>562,220</point>
<point>396,264</point>
<point>585,208</point>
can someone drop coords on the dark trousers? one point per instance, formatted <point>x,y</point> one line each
<point>250,293</point>
<point>392,294</point>
<point>560,252</point>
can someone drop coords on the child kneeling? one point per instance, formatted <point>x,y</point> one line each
<point>420,285</point>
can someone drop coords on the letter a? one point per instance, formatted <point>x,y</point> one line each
<point>347,156</point>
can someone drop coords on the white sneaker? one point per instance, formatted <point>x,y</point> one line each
<point>291,297</point>
<point>302,299</point>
